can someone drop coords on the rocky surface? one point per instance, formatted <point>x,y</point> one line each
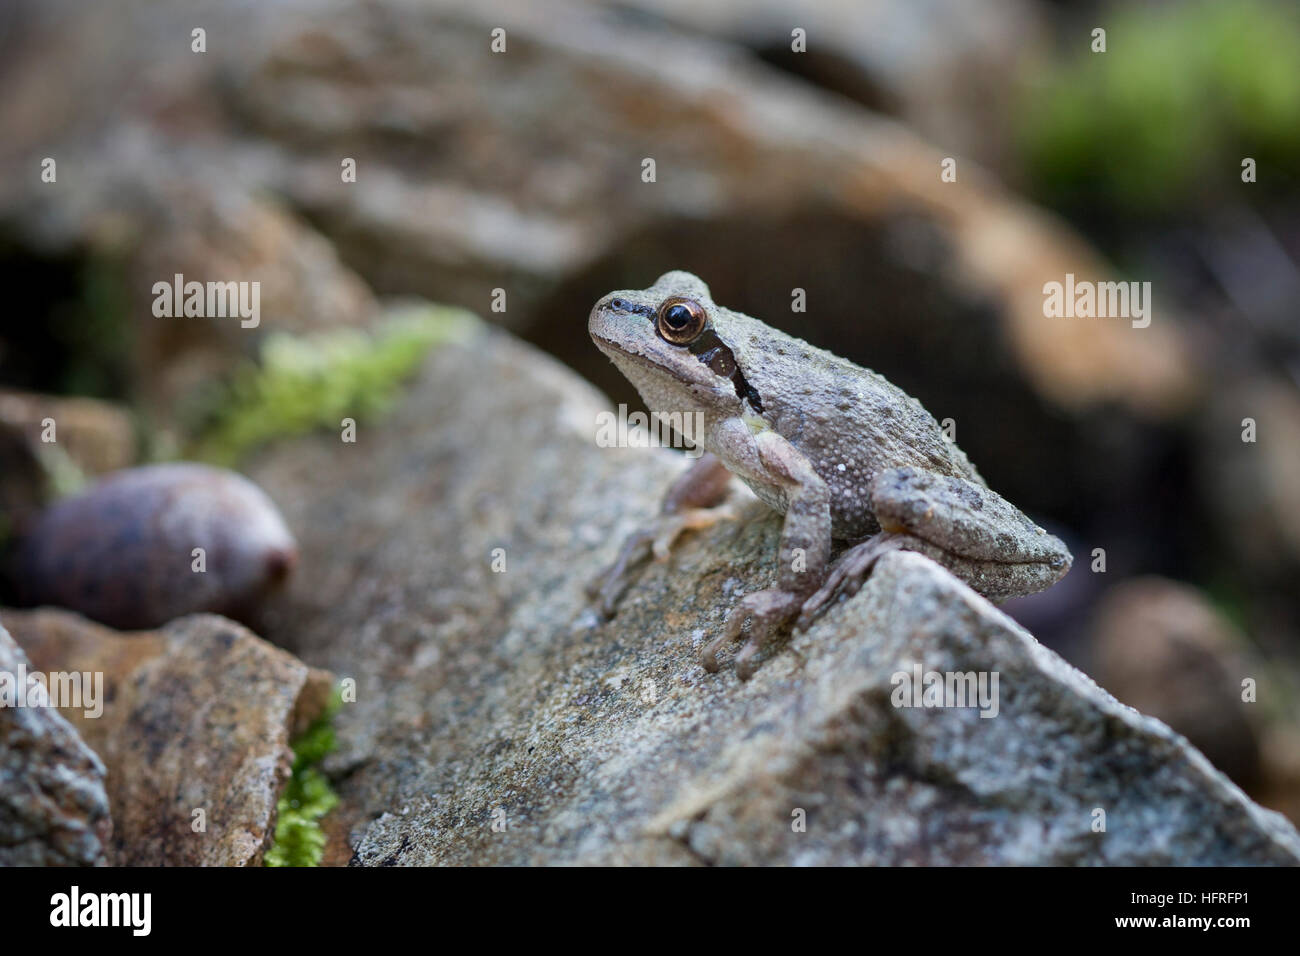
<point>89,438</point>
<point>98,437</point>
<point>445,552</point>
<point>497,721</point>
<point>53,808</point>
<point>197,716</point>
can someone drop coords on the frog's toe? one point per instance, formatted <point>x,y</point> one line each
<point>731,631</point>
<point>709,654</point>
<point>745,663</point>
<point>812,609</point>
<point>770,611</point>
<point>849,575</point>
<point>606,589</point>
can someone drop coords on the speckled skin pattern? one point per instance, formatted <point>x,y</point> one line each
<point>122,551</point>
<point>837,448</point>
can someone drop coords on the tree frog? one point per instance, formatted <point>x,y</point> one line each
<point>837,449</point>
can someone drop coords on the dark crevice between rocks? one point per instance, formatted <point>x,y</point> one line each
<point>68,328</point>
<point>834,73</point>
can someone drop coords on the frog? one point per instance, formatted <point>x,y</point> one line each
<point>849,459</point>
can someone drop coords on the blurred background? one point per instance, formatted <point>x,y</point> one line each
<point>776,168</point>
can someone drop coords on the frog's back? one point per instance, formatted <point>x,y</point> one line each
<point>850,422</point>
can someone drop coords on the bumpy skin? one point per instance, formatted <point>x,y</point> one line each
<point>839,450</point>
<point>121,552</point>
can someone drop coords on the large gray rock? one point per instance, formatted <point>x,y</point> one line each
<point>497,721</point>
<point>53,809</point>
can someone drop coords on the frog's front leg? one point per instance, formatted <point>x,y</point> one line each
<point>694,500</point>
<point>804,548</point>
<point>973,531</point>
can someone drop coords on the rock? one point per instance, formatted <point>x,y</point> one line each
<point>97,437</point>
<point>197,716</point>
<point>123,552</point>
<point>53,809</point>
<point>497,721</point>
<point>1280,789</point>
<point>947,67</point>
<point>210,230</point>
<point>90,438</point>
<point>1161,647</point>
<point>23,483</point>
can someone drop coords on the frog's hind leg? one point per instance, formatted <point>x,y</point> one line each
<point>987,542</point>
<point>853,569</point>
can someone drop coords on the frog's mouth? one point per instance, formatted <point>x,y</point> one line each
<point>615,349</point>
<point>618,353</point>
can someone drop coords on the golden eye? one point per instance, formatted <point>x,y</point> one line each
<point>680,320</point>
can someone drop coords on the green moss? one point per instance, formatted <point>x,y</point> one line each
<point>309,382</point>
<point>299,839</point>
<point>1166,115</point>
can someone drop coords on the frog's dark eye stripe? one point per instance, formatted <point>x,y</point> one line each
<point>622,305</point>
<point>683,322</point>
<point>713,352</point>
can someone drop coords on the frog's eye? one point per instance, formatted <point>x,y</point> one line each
<point>680,320</point>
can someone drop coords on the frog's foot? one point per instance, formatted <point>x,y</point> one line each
<point>771,610</point>
<point>670,527</point>
<point>851,572</point>
<point>656,540</point>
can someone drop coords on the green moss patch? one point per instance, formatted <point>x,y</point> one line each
<point>299,839</point>
<point>1165,117</point>
<point>302,383</point>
